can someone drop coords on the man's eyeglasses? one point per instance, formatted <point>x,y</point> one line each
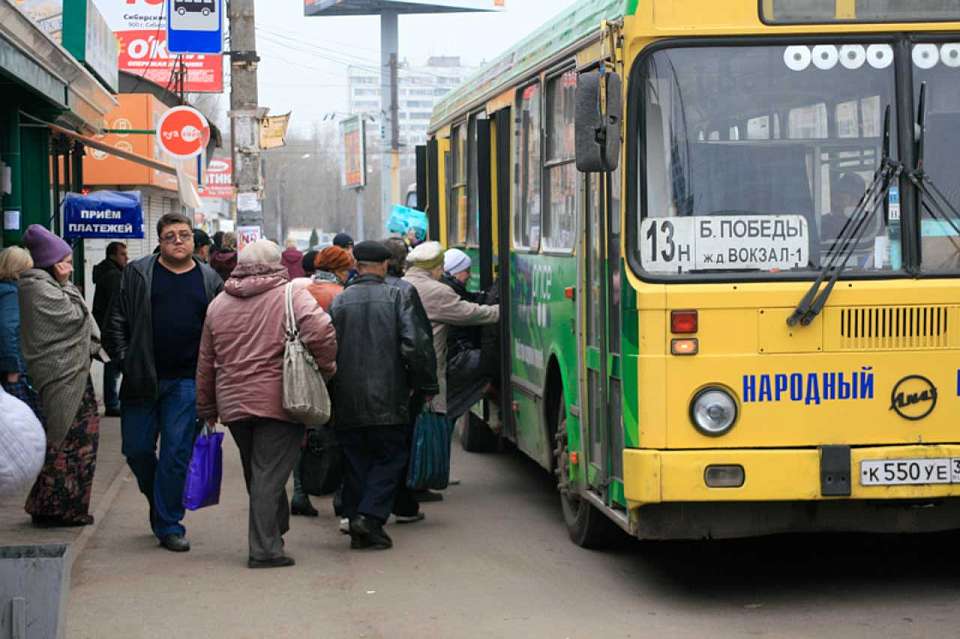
<point>170,238</point>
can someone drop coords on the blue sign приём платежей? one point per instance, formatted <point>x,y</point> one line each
<point>103,215</point>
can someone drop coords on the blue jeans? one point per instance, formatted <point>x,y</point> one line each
<point>171,419</point>
<point>111,374</point>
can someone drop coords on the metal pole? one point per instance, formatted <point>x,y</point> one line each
<point>360,214</point>
<point>389,50</point>
<point>245,113</point>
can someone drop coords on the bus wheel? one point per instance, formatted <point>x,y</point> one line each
<point>587,526</point>
<point>475,435</point>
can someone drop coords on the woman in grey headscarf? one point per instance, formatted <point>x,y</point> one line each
<point>59,339</point>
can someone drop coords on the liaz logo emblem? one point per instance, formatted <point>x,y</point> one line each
<point>913,397</point>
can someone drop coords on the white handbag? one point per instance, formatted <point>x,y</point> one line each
<point>305,396</point>
<point>23,446</point>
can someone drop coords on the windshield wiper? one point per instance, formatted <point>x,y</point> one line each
<point>929,192</point>
<point>852,232</point>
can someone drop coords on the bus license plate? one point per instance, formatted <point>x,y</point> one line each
<point>898,472</point>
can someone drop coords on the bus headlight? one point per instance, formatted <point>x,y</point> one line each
<point>713,411</point>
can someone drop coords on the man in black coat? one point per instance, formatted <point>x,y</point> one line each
<point>106,278</point>
<point>385,355</point>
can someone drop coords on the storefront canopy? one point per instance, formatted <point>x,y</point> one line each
<point>373,7</point>
<point>106,148</point>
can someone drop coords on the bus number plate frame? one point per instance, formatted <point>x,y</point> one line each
<point>910,472</point>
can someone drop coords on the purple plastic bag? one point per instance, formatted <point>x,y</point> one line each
<point>202,487</point>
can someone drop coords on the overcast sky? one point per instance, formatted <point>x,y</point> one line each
<point>304,60</point>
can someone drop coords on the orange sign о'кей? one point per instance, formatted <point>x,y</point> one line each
<point>136,111</point>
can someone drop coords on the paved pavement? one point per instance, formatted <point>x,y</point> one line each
<point>493,560</point>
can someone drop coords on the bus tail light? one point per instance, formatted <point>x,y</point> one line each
<point>685,346</point>
<point>684,322</point>
<point>724,476</point>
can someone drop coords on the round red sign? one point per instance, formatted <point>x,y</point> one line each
<point>183,132</point>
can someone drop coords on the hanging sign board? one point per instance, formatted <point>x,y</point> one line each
<point>195,26</point>
<point>183,132</point>
<point>103,215</point>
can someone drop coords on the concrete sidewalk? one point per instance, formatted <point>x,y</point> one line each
<point>15,526</point>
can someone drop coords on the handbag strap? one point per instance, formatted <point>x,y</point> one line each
<point>290,320</point>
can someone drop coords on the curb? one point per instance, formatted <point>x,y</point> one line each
<point>77,547</point>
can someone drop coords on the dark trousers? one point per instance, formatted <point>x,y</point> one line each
<point>111,377</point>
<point>171,419</point>
<point>268,451</point>
<point>375,458</point>
<point>406,504</point>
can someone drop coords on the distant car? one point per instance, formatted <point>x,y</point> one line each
<point>206,7</point>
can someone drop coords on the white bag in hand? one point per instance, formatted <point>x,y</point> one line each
<point>23,445</point>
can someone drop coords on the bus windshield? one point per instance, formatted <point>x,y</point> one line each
<point>754,157</point>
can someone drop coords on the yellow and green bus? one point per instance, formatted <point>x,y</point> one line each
<point>727,243</point>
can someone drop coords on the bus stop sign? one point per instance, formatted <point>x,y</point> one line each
<point>195,26</point>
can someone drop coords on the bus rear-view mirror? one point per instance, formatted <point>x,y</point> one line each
<point>598,119</point>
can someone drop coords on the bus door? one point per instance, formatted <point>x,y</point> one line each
<point>503,128</point>
<point>601,409</point>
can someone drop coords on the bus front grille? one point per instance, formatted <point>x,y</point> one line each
<point>894,327</point>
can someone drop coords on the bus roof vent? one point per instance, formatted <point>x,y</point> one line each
<point>872,328</point>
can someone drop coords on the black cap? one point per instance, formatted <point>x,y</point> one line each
<point>342,240</point>
<point>371,252</point>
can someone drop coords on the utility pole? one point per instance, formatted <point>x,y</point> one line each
<point>389,124</point>
<point>245,113</point>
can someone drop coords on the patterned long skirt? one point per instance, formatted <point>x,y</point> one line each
<point>65,484</point>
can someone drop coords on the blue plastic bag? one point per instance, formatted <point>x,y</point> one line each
<point>205,473</point>
<point>430,453</point>
<point>403,218</point>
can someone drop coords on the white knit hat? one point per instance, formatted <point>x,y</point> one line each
<point>456,261</point>
<point>260,252</point>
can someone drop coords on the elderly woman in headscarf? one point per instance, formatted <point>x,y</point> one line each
<point>240,381</point>
<point>333,266</point>
<point>59,339</point>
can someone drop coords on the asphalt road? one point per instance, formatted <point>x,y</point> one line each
<point>493,560</point>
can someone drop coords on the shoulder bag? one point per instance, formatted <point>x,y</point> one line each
<point>305,396</point>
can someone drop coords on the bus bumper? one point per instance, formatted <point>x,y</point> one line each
<point>794,475</point>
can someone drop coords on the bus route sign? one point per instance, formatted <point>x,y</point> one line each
<point>195,26</point>
<point>724,242</point>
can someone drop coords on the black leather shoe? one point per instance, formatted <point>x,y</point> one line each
<point>368,533</point>
<point>423,496</point>
<point>175,543</point>
<point>304,508</point>
<point>410,519</point>
<point>275,562</point>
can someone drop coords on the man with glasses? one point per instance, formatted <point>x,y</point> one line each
<point>154,331</point>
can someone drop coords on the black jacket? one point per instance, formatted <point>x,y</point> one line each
<point>384,353</point>
<point>128,334</point>
<point>106,279</point>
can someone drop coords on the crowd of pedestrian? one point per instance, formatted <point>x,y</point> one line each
<point>197,334</point>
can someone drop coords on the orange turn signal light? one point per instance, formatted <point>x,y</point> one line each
<point>685,346</point>
<point>684,322</point>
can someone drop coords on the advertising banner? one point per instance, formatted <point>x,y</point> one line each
<point>356,7</point>
<point>103,215</point>
<point>141,30</point>
<point>353,141</point>
<point>247,235</point>
<point>219,180</point>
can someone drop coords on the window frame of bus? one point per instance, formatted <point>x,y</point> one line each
<point>520,219</point>
<point>636,161</point>
<point>472,236</point>
<point>550,164</point>
<point>771,21</point>
<point>937,39</point>
<point>456,232</point>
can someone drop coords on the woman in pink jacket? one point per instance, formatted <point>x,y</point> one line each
<point>240,381</point>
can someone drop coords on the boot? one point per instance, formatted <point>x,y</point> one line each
<point>300,505</point>
<point>368,533</point>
